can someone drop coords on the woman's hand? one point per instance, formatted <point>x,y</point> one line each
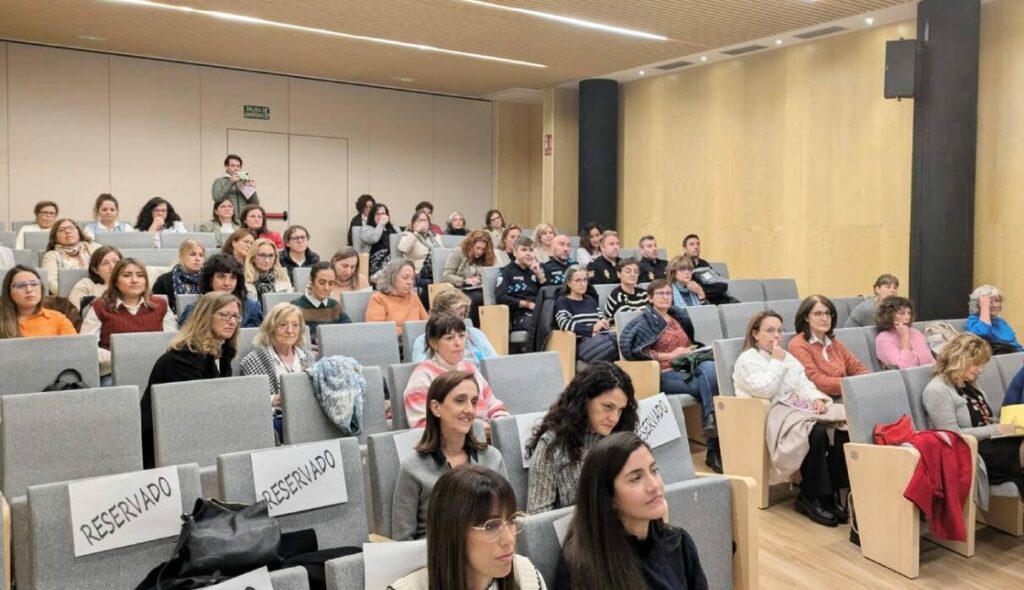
<point>1007,428</point>
<point>820,406</point>
<point>473,281</point>
<point>600,326</point>
<point>275,400</point>
<point>157,225</point>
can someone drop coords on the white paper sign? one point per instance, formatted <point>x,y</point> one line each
<point>656,425</point>
<point>302,477</point>
<point>405,442</point>
<point>562,527</point>
<point>525,424</point>
<point>383,563</point>
<point>254,580</point>
<point>126,509</point>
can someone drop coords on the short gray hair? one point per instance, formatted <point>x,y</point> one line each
<point>387,275</point>
<point>523,242</point>
<point>974,303</point>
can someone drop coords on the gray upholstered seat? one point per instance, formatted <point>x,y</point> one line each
<point>173,240</point>
<point>393,242</point>
<point>703,507</point>
<point>398,378</point>
<point>707,323</point>
<point>130,240</point>
<point>438,257</point>
<point>603,293</point>
<point>132,356</point>
<point>150,256</point>
<point>40,360</point>
<point>345,573</point>
<point>505,438</point>
<point>673,457</point>
<point>777,289</point>
<point>915,379</point>
<point>736,316</point>
<point>300,279</point>
<point>1009,365</point>
<point>25,257</point>
<point>623,318</point>
<point>270,300</point>
<point>355,303</point>
<point>726,353</point>
<point>746,290</point>
<point>490,282</point>
<point>875,398</point>
<point>336,526</point>
<point>411,330</point>
<point>991,384</point>
<point>8,239</point>
<point>787,309</point>
<point>384,464</point>
<point>304,420</point>
<point>721,268</point>
<point>844,307</point>
<point>525,382</point>
<point>451,242</point>
<point>67,278</point>
<point>36,241</point>
<point>856,340</point>
<point>183,301</point>
<point>539,542</point>
<point>373,344</point>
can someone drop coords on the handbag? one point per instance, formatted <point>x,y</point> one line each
<point>67,379</point>
<point>689,364</point>
<point>894,433</point>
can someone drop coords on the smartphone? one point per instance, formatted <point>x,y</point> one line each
<point>244,175</point>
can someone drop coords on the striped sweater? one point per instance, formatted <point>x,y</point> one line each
<point>487,407</point>
<point>619,300</point>
<point>576,316</point>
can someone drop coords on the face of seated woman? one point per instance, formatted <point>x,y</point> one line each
<point>404,281</point>
<point>640,492</point>
<point>450,348</point>
<point>489,554</point>
<point>604,411</point>
<point>769,335</point>
<point>457,410</point>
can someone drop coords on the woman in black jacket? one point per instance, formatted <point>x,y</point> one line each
<point>183,279</point>
<point>203,349</point>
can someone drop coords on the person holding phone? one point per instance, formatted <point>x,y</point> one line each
<point>237,185</point>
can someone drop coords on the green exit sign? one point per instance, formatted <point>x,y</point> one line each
<point>253,111</point>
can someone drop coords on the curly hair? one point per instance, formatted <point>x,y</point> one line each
<point>888,309</point>
<point>964,351</point>
<point>567,418</point>
<point>145,218</point>
<point>478,235</point>
<point>974,303</point>
<point>222,264</point>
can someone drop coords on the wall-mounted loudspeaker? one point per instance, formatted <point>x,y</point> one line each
<point>901,59</point>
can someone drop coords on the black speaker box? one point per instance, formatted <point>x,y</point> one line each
<point>901,58</point>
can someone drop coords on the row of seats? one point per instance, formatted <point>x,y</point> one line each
<point>67,278</point>
<point>36,241</point>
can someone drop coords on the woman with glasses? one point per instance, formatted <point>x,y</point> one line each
<point>223,222</point>
<point>46,214</point>
<point>456,225</point>
<point>183,279</point>
<point>158,216</point>
<point>238,244</point>
<point>447,443</point>
<point>22,314</point>
<point>376,236</point>
<point>254,219</point>
<point>765,370</point>
<point>627,296</point>
<point>203,349</point>
<point>280,350</point>
<point>296,253</point>
<point>395,299</point>
<point>618,536</point>
<point>101,265</point>
<point>576,312</point>
<point>68,247</point>
<point>505,245</point>
<point>686,292</point>
<point>472,525</point>
<point>984,309</point>
<point>222,274</point>
<point>826,360</point>
<point>263,271</point>
<point>494,224</point>
<point>316,305</point>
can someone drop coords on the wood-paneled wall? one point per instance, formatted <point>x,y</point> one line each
<point>518,162</point>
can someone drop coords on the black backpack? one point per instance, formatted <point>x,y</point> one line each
<point>66,380</point>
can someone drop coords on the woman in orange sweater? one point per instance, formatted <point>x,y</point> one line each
<point>21,308</point>
<point>396,300</point>
<point>825,359</point>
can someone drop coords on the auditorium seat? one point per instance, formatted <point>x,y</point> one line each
<point>355,303</point>
<point>505,437</point>
<point>787,309</point>
<point>8,239</point>
<point>775,289</point>
<point>300,279</point>
<point>384,464</point>
<point>438,257</point>
<point>150,256</point>
<point>856,340</point>
<point>132,356</point>
<point>68,277</point>
<point>603,293</point>
<point>451,242</point>
<point>345,573</point>
<point>304,419</point>
<point>36,241</point>
<point>746,290</point>
<point>130,240</point>
<point>171,240</point>
<point>371,343</point>
<point>721,268</point>
<point>707,323</point>
<point>26,258</point>
<point>1009,365</point>
<point>525,382</point>
<point>183,301</point>
<point>411,330</point>
<point>736,316</point>
<point>393,241</point>
<point>398,377</point>
<point>41,360</point>
<point>270,300</point>
<point>539,541</point>
<point>844,307</point>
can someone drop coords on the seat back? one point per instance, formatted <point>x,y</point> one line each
<point>787,309</point>
<point>875,398</point>
<point>398,377</point>
<point>383,464</point>
<point>132,356</point>
<point>269,300</point>
<point>525,382</point>
<point>173,240</point>
<point>746,290</point>
<point>25,257</point>
<point>1009,365</point>
<point>195,421</point>
<point>304,419</point>
<point>856,340</point>
<point>915,379</point>
<point>673,457</point>
<point>603,293</point>
<point>67,278</point>
<point>623,317</point>
<point>40,360</point>
<point>411,330</point>
<point>36,241</point>
<point>703,507</point>
<point>339,525</point>
<point>8,239</point>
<point>183,301</point>
<point>779,289</point>
<point>355,303</point>
<point>438,257</point>
<point>707,323</point>
<point>736,316</point>
<point>721,268</point>
<point>844,307</point>
<point>991,384</point>
<point>539,542</point>
<point>52,550</point>
<point>727,351</point>
<point>505,437</point>
<point>133,240</point>
<point>393,242</point>
<point>373,344</point>
<point>490,283</point>
<point>451,242</point>
<point>62,435</point>
<point>150,256</point>
<point>300,279</point>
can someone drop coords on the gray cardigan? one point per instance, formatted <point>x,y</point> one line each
<point>947,410</point>
<point>416,481</point>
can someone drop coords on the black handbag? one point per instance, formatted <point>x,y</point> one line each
<point>688,364</point>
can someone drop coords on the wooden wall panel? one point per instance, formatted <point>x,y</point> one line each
<point>401,151</point>
<point>519,148</point>
<point>462,159</point>
<point>5,202</point>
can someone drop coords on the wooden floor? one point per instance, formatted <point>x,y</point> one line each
<point>796,554</point>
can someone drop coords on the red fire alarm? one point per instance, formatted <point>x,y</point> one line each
<point>549,144</point>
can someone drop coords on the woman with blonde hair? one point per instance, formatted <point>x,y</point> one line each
<point>68,247</point>
<point>183,279</point>
<point>263,270</point>
<point>543,236</point>
<point>347,277</point>
<point>455,302</point>
<point>238,244</point>
<point>505,245</point>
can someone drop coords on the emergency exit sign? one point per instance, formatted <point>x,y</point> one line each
<point>253,111</point>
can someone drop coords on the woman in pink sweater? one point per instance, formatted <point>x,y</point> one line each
<point>898,344</point>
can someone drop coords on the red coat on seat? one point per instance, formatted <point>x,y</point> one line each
<point>942,482</point>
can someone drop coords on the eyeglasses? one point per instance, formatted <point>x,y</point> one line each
<point>284,326</point>
<point>298,238</point>
<point>47,213</point>
<point>266,256</point>
<point>772,330</point>
<point>580,280</point>
<point>821,314</point>
<point>24,285</point>
<point>629,270</point>
<point>493,528</point>
<point>67,229</point>
<point>228,317</point>
<point>663,293</point>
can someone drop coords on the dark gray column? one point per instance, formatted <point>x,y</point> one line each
<point>599,153</point>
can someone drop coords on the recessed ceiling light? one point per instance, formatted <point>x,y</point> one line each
<point>778,41</point>
<point>641,72</point>
<point>869,21</point>
<point>252,20</point>
<point>92,38</point>
<point>703,58</point>
<point>571,21</point>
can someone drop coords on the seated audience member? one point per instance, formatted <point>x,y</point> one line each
<point>627,296</point>
<point>984,307</point>
<point>67,248</point>
<point>22,314</point>
<point>183,279</point>
<point>472,525</point>
<point>597,402</point>
<point>518,284</point>
<point>464,268</point>
<point>621,512</point>
<point>577,312</point>
<point>691,248</point>
<point>505,246</point>
<point>494,224</point>
<point>716,287</point>
<point>241,191</point>
<point>664,333</point>
<point>46,214</point>
<point>395,299</point>
<point>651,267</point>
<point>263,271</point>
<point>1015,391</point>
<point>237,245</point>
<point>223,222</point>
<point>590,244</point>
<point>428,208</point>
<point>222,274</point>
<point>280,350</point>
<point>203,349</point>
<point>364,204</point>
<point>127,307</point>
<point>316,304</point>
<point>297,253</point>
<point>446,348</point>
<point>376,237</point>
<point>454,302</point>
<point>555,267</point>
<point>101,264</point>
<point>543,234</point>
<point>765,370</point>
<point>447,443</point>
<point>826,360</point>
<point>346,273</point>
<point>416,243</point>
<point>863,315</point>
<point>686,292</point>
<point>254,219</point>
<point>898,344</point>
<point>157,216</point>
<point>104,214</point>
<point>953,401</point>
<point>7,257</point>
<point>456,225</point>
<point>604,268</point>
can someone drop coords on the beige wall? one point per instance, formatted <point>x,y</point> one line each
<point>79,123</point>
<point>518,165</point>
<point>561,169</point>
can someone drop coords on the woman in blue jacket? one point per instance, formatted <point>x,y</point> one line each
<point>984,307</point>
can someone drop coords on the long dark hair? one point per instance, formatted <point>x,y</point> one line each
<point>97,258</point>
<point>55,229</point>
<point>145,218</point>
<point>585,237</point>
<point>245,212</point>
<point>568,419</point>
<point>462,498</point>
<point>222,263</point>
<point>597,549</point>
<point>372,220</point>
<point>440,387</point>
<point>803,324</point>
